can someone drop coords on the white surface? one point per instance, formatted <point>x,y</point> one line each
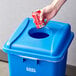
<point>12,12</point>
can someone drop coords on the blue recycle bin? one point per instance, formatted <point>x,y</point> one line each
<point>38,52</point>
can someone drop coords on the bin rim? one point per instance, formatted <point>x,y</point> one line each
<point>58,58</point>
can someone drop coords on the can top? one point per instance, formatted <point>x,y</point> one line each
<point>48,43</point>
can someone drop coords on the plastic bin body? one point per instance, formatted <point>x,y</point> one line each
<point>39,52</point>
<point>30,67</point>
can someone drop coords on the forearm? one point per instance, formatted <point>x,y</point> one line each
<point>58,3</point>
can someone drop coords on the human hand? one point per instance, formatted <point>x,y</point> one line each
<point>51,10</point>
<point>42,16</point>
<point>48,13</point>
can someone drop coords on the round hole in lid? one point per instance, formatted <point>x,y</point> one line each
<point>38,33</point>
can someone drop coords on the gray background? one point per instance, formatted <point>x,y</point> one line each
<point>12,12</point>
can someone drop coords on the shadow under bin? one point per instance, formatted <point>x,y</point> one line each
<point>39,52</point>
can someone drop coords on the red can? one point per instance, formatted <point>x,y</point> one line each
<point>37,21</point>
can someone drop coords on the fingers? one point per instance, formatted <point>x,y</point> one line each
<point>41,15</point>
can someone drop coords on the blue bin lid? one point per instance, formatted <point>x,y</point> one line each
<point>48,43</point>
